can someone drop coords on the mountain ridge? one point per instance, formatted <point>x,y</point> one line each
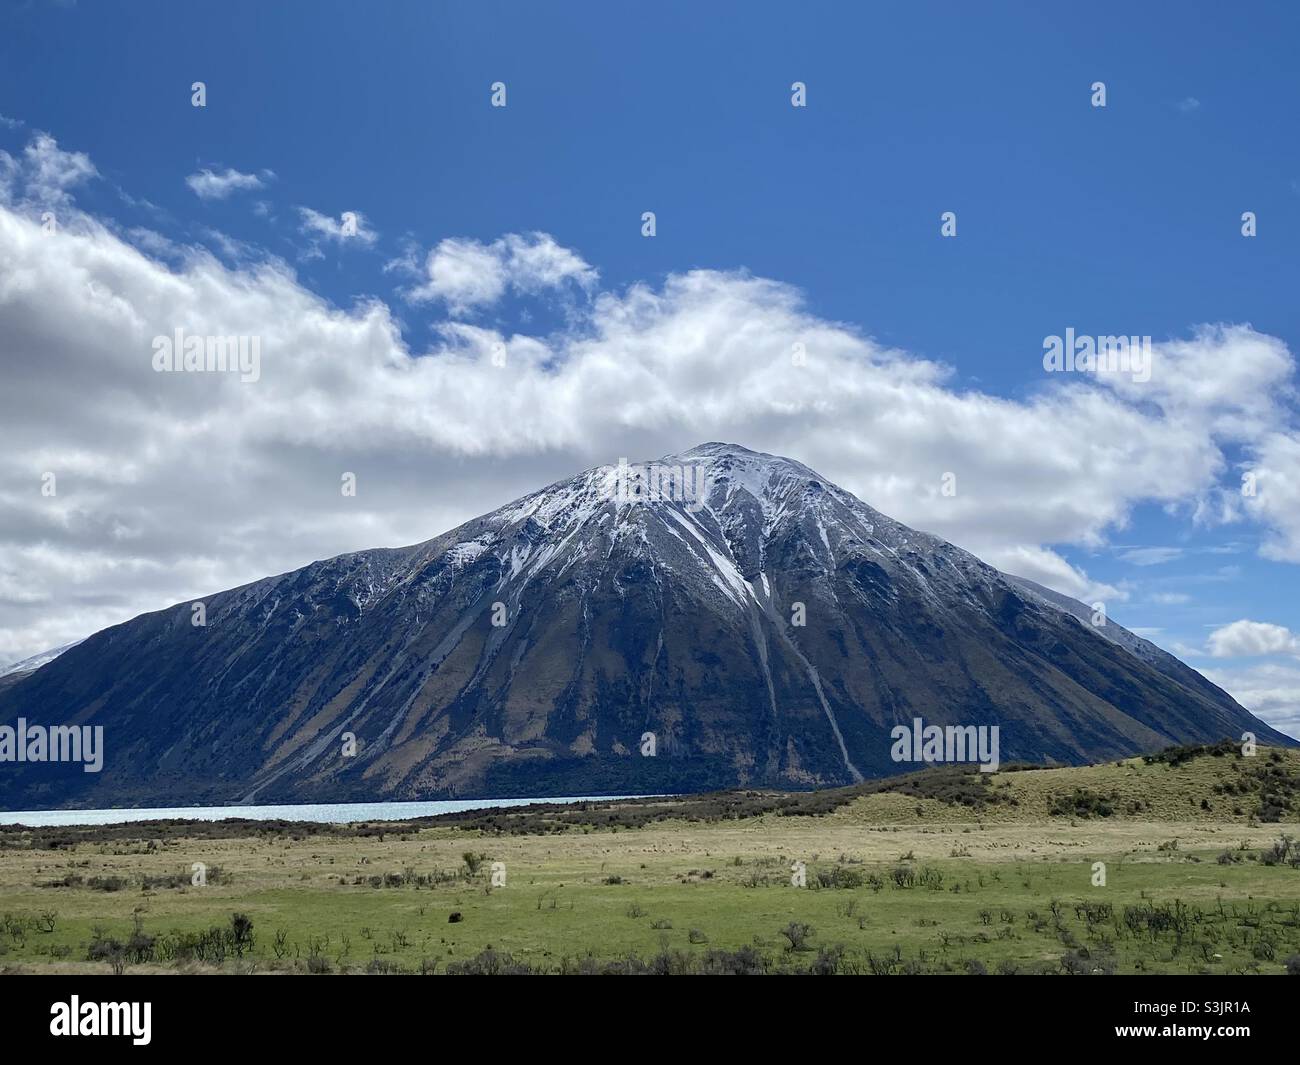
<point>528,651</point>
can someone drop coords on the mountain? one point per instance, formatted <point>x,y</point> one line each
<point>528,651</point>
<point>32,664</point>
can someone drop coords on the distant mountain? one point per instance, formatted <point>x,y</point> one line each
<point>616,614</point>
<point>32,664</point>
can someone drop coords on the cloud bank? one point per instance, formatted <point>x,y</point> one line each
<point>171,486</point>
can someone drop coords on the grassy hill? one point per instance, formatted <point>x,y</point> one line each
<point>1212,784</point>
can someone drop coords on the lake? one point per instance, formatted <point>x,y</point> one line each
<point>333,813</point>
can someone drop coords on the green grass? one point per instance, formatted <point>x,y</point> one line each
<point>1003,887</point>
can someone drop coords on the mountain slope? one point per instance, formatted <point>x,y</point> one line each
<point>32,664</point>
<point>613,617</point>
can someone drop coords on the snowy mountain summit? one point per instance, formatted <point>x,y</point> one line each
<point>715,618</point>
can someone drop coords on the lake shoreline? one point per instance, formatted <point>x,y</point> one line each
<point>316,813</point>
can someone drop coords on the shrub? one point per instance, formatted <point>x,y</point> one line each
<point>839,877</point>
<point>743,962</point>
<point>102,948</point>
<point>1082,803</point>
<point>1074,963</point>
<point>489,962</point>
<point>827,962</point>
<point>241,933</point>
<point>797,934</point>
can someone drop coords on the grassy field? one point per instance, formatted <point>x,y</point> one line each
<point>943,872</point>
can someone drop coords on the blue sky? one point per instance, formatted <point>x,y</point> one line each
<point>1115,220</point>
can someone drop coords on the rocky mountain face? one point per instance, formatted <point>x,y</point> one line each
<point>767,627</point>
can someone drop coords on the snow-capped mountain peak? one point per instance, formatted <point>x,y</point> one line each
<point>763,624</point>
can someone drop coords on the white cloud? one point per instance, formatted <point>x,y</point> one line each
<point>44,174</point>
<point>182,484</point>
<point>1242,399</point>
<point>1045,566</point>
<point>207,185</point>
<point>154,243</point>
<point>1269,690</point>
<point>1252,638</point>
<point>11,123</point>
<point>349,226</point>
<point>1150,556</point>
<point>466,274</point>
<point>1276,499</point>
